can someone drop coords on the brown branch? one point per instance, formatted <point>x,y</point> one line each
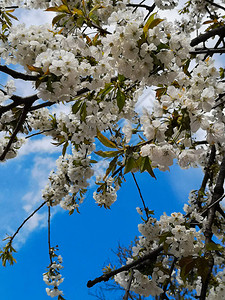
<point>205,36</point>
<point>31,215</point>
<point>217,194</point>
<point>147,7</point>
<point>16,130</point>
<point>17,75</point>
<point>215,4</point>
<point>207,171</point>
<point>17,100</point>
<point>126,296</point>
<point>49,103</point>
<point>45,104</point>
<point>136,263</point>
<point>142,199</point>
<point>49,235</point>
<point>164,296</point>
<point>208,51</point>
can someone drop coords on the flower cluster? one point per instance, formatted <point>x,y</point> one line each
<point>53,277</point>
<point>68,184</point>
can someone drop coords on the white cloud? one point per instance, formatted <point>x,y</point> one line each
<point>38,179</point>
<point>33,17</point>
<point>42,145</point>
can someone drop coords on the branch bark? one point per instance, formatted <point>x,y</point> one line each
<point>217,194</point>
<point>205,36</point>
<point>17,75</point>
<point>136,263</point>
<point>16,130</point>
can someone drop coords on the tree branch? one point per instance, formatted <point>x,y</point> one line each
<point>147,7</point>
<point>215,4</point>
<point>138,262</point>
<point>31,215</point>
<point>16,130</point>
<point>49,235</point>
<point>17,75</point>
<point>205,36</point>
<point>142,199</point>
<point>126,296</point>
<point>217,194</point>
<point>208,51</point>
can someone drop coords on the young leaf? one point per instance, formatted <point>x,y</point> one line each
<point>57,18</point>
<point>76,106</point>
<point>62,8</point>
<point>130,164</point>
<point>146,166</point>
<point>120,98</point>
<point>105,141</point>
<point>107,153</point>
<point>64,148</point>
<point>111,167</point>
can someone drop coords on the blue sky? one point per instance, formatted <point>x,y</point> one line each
<point>85,240</point>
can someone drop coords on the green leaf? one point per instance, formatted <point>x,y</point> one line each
<point>76,106</point>
<point>106,90</point>
<point>64,148</point>
<point>148,23</point>
<point>57,18</point>
<point>164,236</point>
<point>151,23</point>
<point>78,12</point>
<point>214,247</point>
<point>222,73</point>
<point>107,153</point>
<point>121,78</point>
<point>120,98</point>
<point>83,112</point>
<point>61,8</point>
<point>105,141</point>
<point>186,264</point>
<point>11,16</point>
<point>111,167</point>
<point>97,6</point>
<point>130,164</point>
<point>146,166</point>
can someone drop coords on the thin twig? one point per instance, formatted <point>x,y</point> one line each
<point>31,215</point>
<point>49,235</point>
<point>126,296</point>
<point>204,213</point>
<point>215,4</point>
<point>37,133</point>
<point>208,51</point>
<point>142,199</point>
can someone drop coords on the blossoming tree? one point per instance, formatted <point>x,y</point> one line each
<point>98,57</point>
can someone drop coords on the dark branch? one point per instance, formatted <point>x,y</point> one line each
<point>205,36</point>
<point>49,235</point>
<point>142,199</point>
<point>126,296</point>
<point>127,267</point>
<point>208,51</point>
<point>30,216</point>
<point>217,194</point>
<point>215,4</point>
<point>45,104</point>
<point>147,7</point>
<point>16,130</point>
<point>17,75</point>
